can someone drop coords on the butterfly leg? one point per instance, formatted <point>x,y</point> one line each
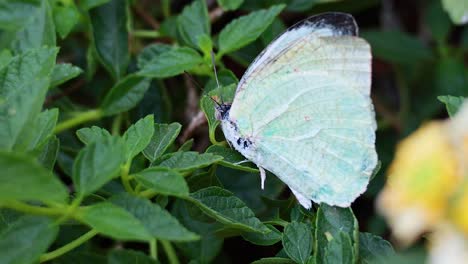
<point>262,177</point>
<point>304,201</point>
<point>242,161</point>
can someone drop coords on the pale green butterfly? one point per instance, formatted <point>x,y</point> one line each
<point>303,111</point>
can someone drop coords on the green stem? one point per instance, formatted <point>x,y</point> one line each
<point>149,193</point>
<point>125,177</point>
<point>31,209</point>
<point>146,33</point>
<point>138,187</point>
<point>170,252</point>
<point>80,118</point>
<point>277,222</point>
<point>70,211</point>
<point>166,8</point>
<point>68,247</point>
<point>129,23</point>
<point>116,124</point>
<point>153,249</point>
<point>404,96</point>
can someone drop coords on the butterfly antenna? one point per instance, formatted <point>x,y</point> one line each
<point>192,79</point>
<point>213,61</point>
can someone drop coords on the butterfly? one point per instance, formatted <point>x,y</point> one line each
<point>303,111</point>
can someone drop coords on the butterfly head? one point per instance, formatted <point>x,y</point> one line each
<point>221,109</point>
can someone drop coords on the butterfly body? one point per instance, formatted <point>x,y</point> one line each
<point>302,111</point>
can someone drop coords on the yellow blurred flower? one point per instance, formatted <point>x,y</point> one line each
<point>457,129</point>
<point>459,209</point>
<point>447,245</point>
<point>421,178</point>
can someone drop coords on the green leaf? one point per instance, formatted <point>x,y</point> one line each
<point>171,62</point>
<point>276,28</point>
<point>206,45</point>
<point>163,181</point>
<point>209,245</point>
<point>397,47</point>
<point>438,21</point>
<point>80,257</point>
<point>452,103</point>
<point>127,256</point>
<point>155,102</point>
<point>194,23</point>
<point>267,239</point>
<point>31,24</point>
<point>64,72</point>
<point>38,132</point>
<point>246,29</point>
<point>230,4</point>
<point>226,208</point>
<point>26,239</point>
<point>48,152</point>
<point>5,58</point>
<point>92,134</point>
<point>114,221</point>
<point>96,164</point>
<point>138,136</point>
<point>297,241</point>
<point>89,4</point>
<point>340,250</point>
<point>111,37</point>
<point>373,249</point>
<point>189,161</point>
<point>163,137</point>
<point>330,222</point>
<point>187,146</point>
<point>225,79</point>
<point>150,52</point>
<point>14,12</point>
<point>246,186</point>
<point>274,260</point>
<point>125,95</point>
<point>23,86</point>
<point>458,10</point>
<point>159,222</point>
<point>450,77</point>
<point>230,158</point>
<point>23,178</point>
<point>303,5</point>
<point>8,217</point>
<point>66,16</point>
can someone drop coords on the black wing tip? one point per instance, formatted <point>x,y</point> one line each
<point>342,23</point>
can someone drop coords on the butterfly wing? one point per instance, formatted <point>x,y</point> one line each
<point>306,108</point>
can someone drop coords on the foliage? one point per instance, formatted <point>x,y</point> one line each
<point>105,134</point>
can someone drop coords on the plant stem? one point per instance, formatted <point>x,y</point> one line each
<point>166,8</point>
<point>404,97</point>
<point>78,119</point>
<point>68,247</point>
<point>153,248</point>
<point>170,252</point>
<point>116,124</point>
<point>125,177</point>
<point>70,211</point>
<point>32,209</point>
<point>278,222</point>
<point>149,193</point>
<point>146,33</point>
